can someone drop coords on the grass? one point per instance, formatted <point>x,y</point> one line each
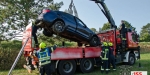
<point>145,63</point>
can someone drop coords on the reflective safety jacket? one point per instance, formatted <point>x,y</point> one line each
<point>105,53</point>
<point>44,56</point>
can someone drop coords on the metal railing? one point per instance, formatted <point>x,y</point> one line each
<point>17,58</point>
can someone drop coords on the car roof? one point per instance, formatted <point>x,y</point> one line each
<point>63,12</point>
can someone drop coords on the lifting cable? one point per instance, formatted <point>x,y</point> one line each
<point>72,11</point>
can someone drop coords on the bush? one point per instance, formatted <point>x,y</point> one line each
<point>8,56</point>
<point>145,47</point>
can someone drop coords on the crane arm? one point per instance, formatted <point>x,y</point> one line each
<point>106,12</point>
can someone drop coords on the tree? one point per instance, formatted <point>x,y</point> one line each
<point>16,14</point>
<point>106,26</point>
<point>127,24</point>
<point>145,33</point>
<point>93,29</point>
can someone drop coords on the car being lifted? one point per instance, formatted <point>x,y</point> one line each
<point>67,26</point>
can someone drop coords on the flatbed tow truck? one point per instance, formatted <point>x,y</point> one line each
<point>65,60</point>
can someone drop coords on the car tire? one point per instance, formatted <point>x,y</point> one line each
<point>46,33</point>
<point>131,60</point>
<point>58,26</point>
<point>94,41</point>
<point>86,65</point>
<point>66,67</point>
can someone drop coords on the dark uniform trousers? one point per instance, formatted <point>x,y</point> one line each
<point>105,57</point>
<point>34,31</point>
<point>45,69</point>
<point>111,59</point>
<point>123,37</point>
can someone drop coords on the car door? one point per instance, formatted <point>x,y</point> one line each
<point>82,29</point>
<point>69,22</point>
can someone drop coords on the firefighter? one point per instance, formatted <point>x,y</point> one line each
<point>34,31</point>
<point>104,56</point>
<point>44,56</point>
<point>123,31</point>
<point>30,65</point>
<point>111,57</point>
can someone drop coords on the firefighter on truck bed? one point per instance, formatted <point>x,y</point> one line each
<point>123,34</point>
<point>44,56</point>
<point>104,56</point>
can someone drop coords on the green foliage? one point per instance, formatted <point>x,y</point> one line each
<point>56,6</point>
<point>145,47</point>
<point>55,40</point>
<point>144,62</point>
<point>106,26</point>
<point>16,14</point>
<point>11,44</point>
<point>93,29</point>
<point>145,33</point>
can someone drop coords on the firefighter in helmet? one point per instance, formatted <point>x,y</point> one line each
<point>111,57</point>
<point>44,56</point>
<point>123,33</point>
<point>104,56</point>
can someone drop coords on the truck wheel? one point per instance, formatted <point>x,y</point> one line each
<point>131,59</point>
<point>94,41</point>
<point>67,67</point>
<point>58,26</point>
<point>86,65</point>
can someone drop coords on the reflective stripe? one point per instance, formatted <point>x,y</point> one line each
<point>114,69</point>
<point>107,69</point>
<point>100,56</point>
<point>123,38</point>
<point>102,68</point>
<point>44,63</point>
<point>105,53</point>
<point>44,57</point>
<point>52,49</point>
<point>104,58</point>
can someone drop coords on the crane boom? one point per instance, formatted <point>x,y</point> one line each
<point>106,12</point>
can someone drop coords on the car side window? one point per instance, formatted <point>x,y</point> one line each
<point>68,16</point>
<point>79,22</point>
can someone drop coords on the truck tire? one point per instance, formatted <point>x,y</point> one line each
<point>66,67</point>
<point>86,65</point>
<point>132,59</point>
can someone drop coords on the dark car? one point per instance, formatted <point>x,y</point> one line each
<point>66,26</point>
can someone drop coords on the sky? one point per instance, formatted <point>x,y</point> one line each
<point>136,12</point>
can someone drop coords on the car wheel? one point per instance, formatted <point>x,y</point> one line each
<point>94,41</point>
<point>58,26</point>
<point>46,33</point>
<point>131,59</point>
<point>86,65</point>
<point>67,67</point>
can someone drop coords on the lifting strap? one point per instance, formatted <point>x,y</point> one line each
<point>72,11</point>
